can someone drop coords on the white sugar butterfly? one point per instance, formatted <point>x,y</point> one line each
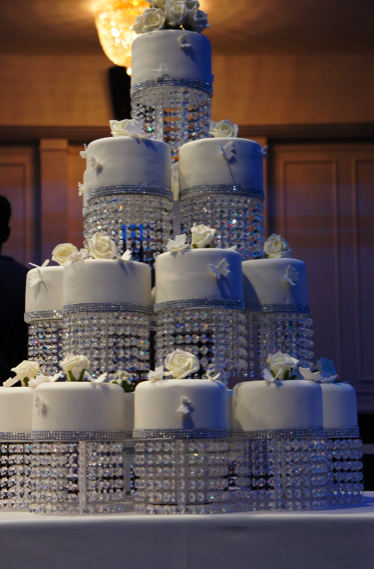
<point>221,269</point>
<point>83,153</point>
<point>185,407</point>
<point>162,72</point>
<point>96,165</point>
<point>291,275</point>
<point>227,150</point>
<point>125,257</point>
<point>39,403</point>
<point>183,42</point>
<point>36,278</point>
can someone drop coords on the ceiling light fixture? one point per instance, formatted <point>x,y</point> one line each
<point>114,19</point>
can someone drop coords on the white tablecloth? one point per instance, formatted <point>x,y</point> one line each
<point>339,538</point>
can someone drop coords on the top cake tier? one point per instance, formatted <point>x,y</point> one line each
<point>164,56</point>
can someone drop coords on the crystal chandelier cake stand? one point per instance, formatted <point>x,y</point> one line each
<point>114,336</point>
<point>344,448</point>
<point>173,110</point>
<point>236,211</point>
<point>45,339</point>
<point>181,471</point>
<point>272,328</point>
<point>212,329</point>
<point>80,472</point>
<point>137,218</point>
<point>279,469</point>
<point>14,471</point>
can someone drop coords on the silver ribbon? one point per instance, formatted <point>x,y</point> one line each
<point>224,303</point>
<point>43,315</point>
<point>180,433</point>
<point>129,190</point>
<point>298,433</point>
<point>172,82</point>
<point>106,307</point>
<point>292,308</point>
<point>71,436</point>
<point>226,189</point>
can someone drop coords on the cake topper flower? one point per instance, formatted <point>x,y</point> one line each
<point>74,367</point>
<point>222,129</point>
<point>171,14</point>
<point>323,372</point>
<point>25,371</point>
<point>180,364</point>
<point>185,406</point>
<point>62,253</point>
<point>275,247</point>
<point>101,246</point>
<point>221,269</point>
<point>202,236</point>
<point>177,244</point>
<point>36,277</point>
<point>291,275</point>
<point>127,127</point>
<point>281,367</point>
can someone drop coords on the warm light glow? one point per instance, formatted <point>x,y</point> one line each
<point>114,19</point>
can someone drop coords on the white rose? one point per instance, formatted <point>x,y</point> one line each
<point>281,365</point>
<point>76,365</point>
<point>176,12</point>
<point>196,20</point>
<point>153,19</point>
<point>223,128</point>
<point>62,252</point>
<point>181,364</point>
<point>35,381</point>
<point>126,127</point>
<point>202,236</point>
<point>138,24</point>
<point>25,371</point>
<point>102,247</point>
<point>276,247</point>
<point>156,3</point>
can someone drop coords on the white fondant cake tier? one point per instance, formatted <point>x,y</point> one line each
<point>201,162</point>
<point>107,280</point>
<point>79,406</point>
<point>187,275</point>
<point>291,404</point>
<point>339,405</point>
<point>16,404</point>
<point>264,282</point>
<point>152,50</point>
<point>157,404</point>
<point>47,295</point>
<point>126,160</point>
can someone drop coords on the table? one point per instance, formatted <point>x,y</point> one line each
<point>338,538</point>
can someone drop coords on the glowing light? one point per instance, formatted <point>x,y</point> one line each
<point>114,19</point>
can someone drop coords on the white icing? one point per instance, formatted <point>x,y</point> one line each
<point>339,405</point>
<point>258,405</point>
<point>79,406</point>
<point>151,51</point>
<point>107,280</point>
<point>16,409</point>
<point>128,161</point>
<point>187,274</point>
<point>264,282</point>
<point>47,295</point>
<point>201,163</point>
<point>157,404</point>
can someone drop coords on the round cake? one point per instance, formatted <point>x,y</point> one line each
<point>207,162</point>
<point>47,293</point>
<point>188,275</point>
<point>106,280</point>
<point>181,404</point>
<point>164,54</point>
<point>291,404</point>
<point>78,406</point>
<point>264,281</point>
<point>130,161</point>
<point>339,405</point>
<point>16,404</point>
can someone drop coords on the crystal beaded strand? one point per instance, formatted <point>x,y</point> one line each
<point>45,343</point>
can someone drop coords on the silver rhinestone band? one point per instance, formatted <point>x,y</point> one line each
<point>294,308</point>
<point>180,433</point>
<point>200,303</point>
<point>349,432</point>
<point>8,436</point>
<point>86,210</point>
<point>171,82</point>
<point>229,190</point>
<point>301,433</point>
<point>123,190</point>
<point>80,435</point>
<point>43,315</point>
<point>106,307</point>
